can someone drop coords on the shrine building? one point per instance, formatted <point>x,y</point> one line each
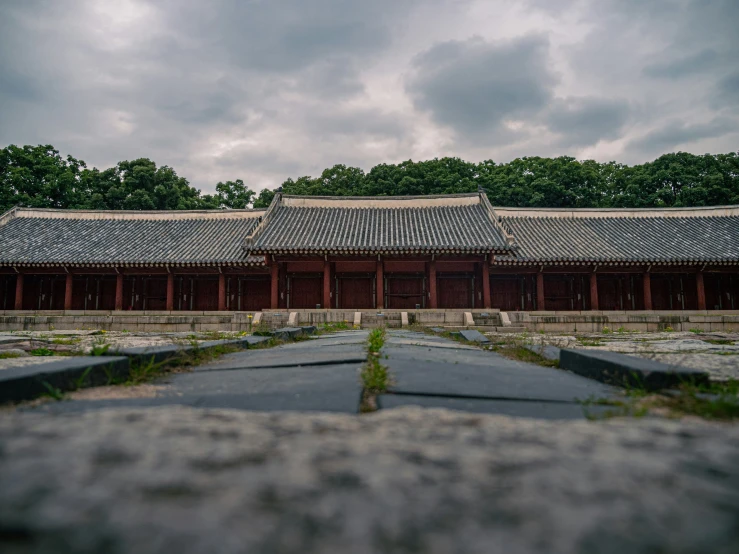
<point>372,253</point>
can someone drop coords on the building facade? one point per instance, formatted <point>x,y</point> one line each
<point>394,253</point>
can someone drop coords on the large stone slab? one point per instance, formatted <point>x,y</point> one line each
<point>290,355</point>
<point>483,374</point>
<point>31,381</point>
<point>620,369</point>
<point>334,388</point>
<point>536,409</point>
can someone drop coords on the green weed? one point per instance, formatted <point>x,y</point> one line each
<point>7,355</point>
<point>42,352</point>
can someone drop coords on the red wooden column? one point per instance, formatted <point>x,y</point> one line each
<point>326,285</point>
<point>380,283</point>
<point>540,304</point>
<point>594,291</point>
<point>19,291</point>
<point>701,290</point>
<point>119,292</point>
<point>221,292</point>
<point>433,302</point>
<point>68,292</point>
<point>486,285</point>
<point>647,281</point>
<point>170,292</point>
<point>274,302</point>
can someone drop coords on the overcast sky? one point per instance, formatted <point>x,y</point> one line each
<point>263,90</point>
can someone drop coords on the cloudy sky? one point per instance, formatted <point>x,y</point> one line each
<point>268,89</point>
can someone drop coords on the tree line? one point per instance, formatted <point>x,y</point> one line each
<point>38,176</point>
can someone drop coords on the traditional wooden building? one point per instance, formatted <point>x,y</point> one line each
<point>405,253</point>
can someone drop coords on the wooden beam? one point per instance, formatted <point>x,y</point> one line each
<point>380,283</point>
<point>594,291</point>
<point>486,286</point>
<point>19,291</point>
<point>433,301</point>
<point>540,303</point>
<point>221,292</point>
<point>701,290</point>
<point>326,285</point>
<point>68,292</point>
<point>275,288</point>
<point>119,292</point>
<point>170,292</point>
<point>647,282</point>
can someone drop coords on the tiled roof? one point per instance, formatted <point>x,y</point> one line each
<point>77,237</point>
<point>367,225</point>
<point>704,235</point>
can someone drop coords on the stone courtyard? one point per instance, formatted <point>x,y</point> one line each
<point>265,450</point>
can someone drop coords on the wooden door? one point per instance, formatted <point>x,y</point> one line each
<point>356,292</point>
<point>7,292</point>
<point>505,293</point>
<point>106,292</point>
<point>155,293</point>
<point>404,292</point>
<point>674,291</point>
<point>251,294</point>
<point>305,291</point>
<point>205,293</point>
<point>610,292</point>
<point>455,292</point>
<point>559,293</point>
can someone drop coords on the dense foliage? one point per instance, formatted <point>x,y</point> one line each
<point>39,176</point>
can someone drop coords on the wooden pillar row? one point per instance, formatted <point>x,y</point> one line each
<point>275,288</point>
<point>170,292</point>
<point>326,285</point>
<point>433,302</point>
<point>119,292</point>
<point>594,304</point>
<point>540,304</point>
<point>647,282</point>
<point>69,283</point>
<point>19,291</point>
<point>486,285</point>
<point>221,292</point>
<point>380,283</point>
<point>701,290</point>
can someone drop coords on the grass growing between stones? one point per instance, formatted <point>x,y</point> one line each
<point>375,376</point>
<point>715,401</point>
<point>8,355</point>
<point>517,351</point>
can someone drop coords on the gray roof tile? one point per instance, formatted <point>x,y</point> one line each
<point>700,239</point>
<point>43,237</point>
<point>370,225</point>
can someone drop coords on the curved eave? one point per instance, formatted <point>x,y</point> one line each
<point>382,251</point>
<point>614,261</point>
<point>139,263</point>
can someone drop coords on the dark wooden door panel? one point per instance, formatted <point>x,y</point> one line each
<point>355,292</point>
<point>305,292</point>
<point>505,293</point>
<point>255,294</point>
<point>455,292</point>
<point>404,292</point>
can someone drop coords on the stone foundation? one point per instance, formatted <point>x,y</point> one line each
<point>582,322</point>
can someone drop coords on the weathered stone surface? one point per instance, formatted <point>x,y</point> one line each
<point>473,335</point>
<point>25,382</point>
<point>192,481</point>
<point>544,350</point>
<point>614,368</point>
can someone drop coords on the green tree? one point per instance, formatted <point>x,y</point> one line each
<point>234,194</point>
<point>264,199</point>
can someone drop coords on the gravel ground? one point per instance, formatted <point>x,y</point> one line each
<point>694,350</point>
<point>408,480</point>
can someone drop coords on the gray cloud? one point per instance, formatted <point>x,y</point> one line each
<point>699,62</point>
<point>264,90</point>
<point>585,121</point>
<point>676,133</point>
<point>472,86</point>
